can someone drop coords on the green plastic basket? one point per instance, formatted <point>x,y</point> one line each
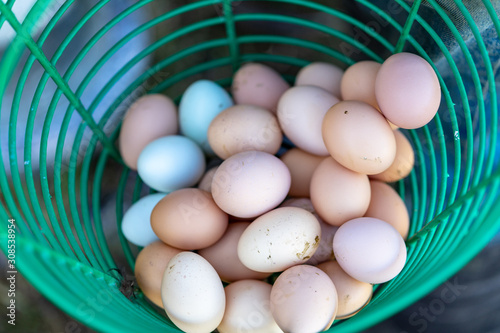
<point>69,248</point>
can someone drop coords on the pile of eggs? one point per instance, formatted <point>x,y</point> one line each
<point>274,210</point>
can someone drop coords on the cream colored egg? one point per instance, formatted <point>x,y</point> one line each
<point>339,194</point>
<point>301,165</point>
<point>258,84</point>
<point>223,256</point>
<point>324,251</point>
<point>321,74</point>
<point>300,114</point>
<point>192,293</point>
<point>353,295</point>
<point>358,137</point>
<point>279,239</point>
<point>242,128</point>
<point>248,309</point>
<point>387,205</point>
<point>403,161</point>
<point>250,183</point>
<point>304,299</point>
<point>369,250</point>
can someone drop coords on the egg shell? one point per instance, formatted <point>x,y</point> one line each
<point>300,114</point>
<point>136,225</point>
<point>242,128</point>
<point>205,183</point>
<point>352,294</point>
<point>248,309</point>
<point>304,299</point>
<point>358,137</point>
<point>170,163</point>
<point>369,250</point>
<point>387,205</point>
<point>258,84</point>
<point>150,117</point>
<point>323,75</point>
<point>407,90</point>
<point>192,293</point>
<point>339,194</point>
<point>250,183</point>
<point>150,265</point>
<point>188,219</point>
<point>223,256</point>
<point>324,251</point>
<point>279,239</point>
<point>200,103</point>
<point>358,82</point>
<point>403,161</point>
<point>301,165</point>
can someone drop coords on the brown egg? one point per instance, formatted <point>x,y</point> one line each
<point>353,294</point>
<point>339,194</point>
<point>387,205</point>
<point>223,256</point>
<point>358,82</point>
<point>257,84</point>
<point>301,165</point>
<point>403,162</point>
<point>188,219</point>
<point>150,117</point>
<point>321,74</point>
<point>242,128</point>
<point>358,137</point>
<point>150,265</point>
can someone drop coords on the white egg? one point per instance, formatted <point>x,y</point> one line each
<point>250,183</point>
<point>304,300</point>
<point>369,250</point>
<point>279,239</point>
<point>301,110</point>
<point>136,223</point>
<point>192,293</point>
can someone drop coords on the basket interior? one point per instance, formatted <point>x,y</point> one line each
<point>65,85</point>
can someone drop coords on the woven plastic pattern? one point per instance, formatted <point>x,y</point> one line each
<point>68,195</point>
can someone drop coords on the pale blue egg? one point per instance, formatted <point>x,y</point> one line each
<point>170,163</point>
<point>136,224</point>
<point>202,101</point>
